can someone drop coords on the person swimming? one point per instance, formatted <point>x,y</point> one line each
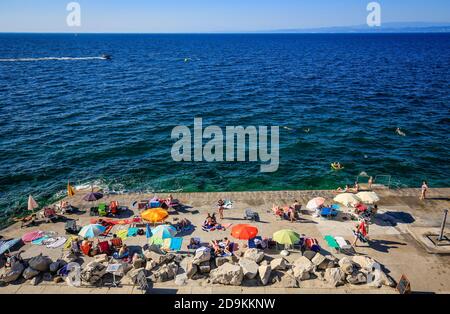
<point>336,165</point>
<point>307,130</point>
<point>400,132</point>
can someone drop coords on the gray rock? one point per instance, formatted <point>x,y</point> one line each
<point>222,260</point>
<point>181,279</point>
<point>364,262</point>
<point>151,264</point>
<point>288,280</point>
<point>278,264</point>
<point>204,267</point>
<point>55,266</point>
<point>202,254</point>
<point>47,277</point>
<point>138,263</point>
<point>254,255</point>
<point>30,273</point>
<point>249,268</point>
<point>379,279</point>
<point>301,273</point>
<point>303,263</point>
<point>346,265</point>
<point>133,274</point>
<point>356,278</point>
<point>334,276</point>
<point>227,274</point>
<point>309,254</point>
<point>93,272</point>
<point>264,272</point>
<point>164,273</point>
<point>13,273</point>
<point>36,280</point>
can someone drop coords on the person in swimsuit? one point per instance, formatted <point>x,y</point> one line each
<point>362,231</point>
<point>423,194</point>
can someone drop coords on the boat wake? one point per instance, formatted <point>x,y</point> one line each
<point>53,59</point>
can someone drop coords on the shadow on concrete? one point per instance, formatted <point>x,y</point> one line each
<point>390,218</point>
<point>384,245</point>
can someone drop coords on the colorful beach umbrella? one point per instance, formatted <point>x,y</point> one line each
<point>8,245</point>
<point>91,231</point>
<point>92,196</point>
<point>155,215</point>
<point>244,232</point>
<point>286,236</point>
<point>32,204</point>
<point>164,232</point>
<point>368,197</point>
<point>315,203</point>
<point>347,199</point>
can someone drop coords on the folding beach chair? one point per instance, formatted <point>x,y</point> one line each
<point>338,243</point>
<point>251,215</point>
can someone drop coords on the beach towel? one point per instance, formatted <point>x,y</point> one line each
<point>132,232</point>
<point>57,242</point>
<point>227,225</point>
<point>39,241</point>
<point>156,241</point>
<point>175,244</point>
<point>122,234</point>
<point>68,242</point>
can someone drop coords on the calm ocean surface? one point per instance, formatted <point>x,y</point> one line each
<point>110,121</point>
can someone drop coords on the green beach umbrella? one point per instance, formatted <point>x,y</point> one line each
<point>286,236</point>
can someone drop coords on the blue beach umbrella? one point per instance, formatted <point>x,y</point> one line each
<point>148,232</point>
<point>164,232</point>
<point>8,245</point>
<point>91,231</point>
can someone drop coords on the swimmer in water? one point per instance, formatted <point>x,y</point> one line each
<point>307,130</point>
<point>287,128</point>
<point>399,132</point>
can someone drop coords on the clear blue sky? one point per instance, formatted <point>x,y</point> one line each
<point>209,15</point>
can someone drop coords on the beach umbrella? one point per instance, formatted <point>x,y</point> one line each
<point>347,199</point>
<point>8,245</point>
<point>91,231</point>
<point>315,203</point>
<point>368,197</point>
<point>244,232</point>
<point>286,236</point>
<point>32,204</point>
<point>155,215</point>
<point>33,235</point>
<point>93,196</point>
<point>164,232</point>
<point>148,232</point>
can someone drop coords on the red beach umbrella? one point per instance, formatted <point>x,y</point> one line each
<point>244,232</point>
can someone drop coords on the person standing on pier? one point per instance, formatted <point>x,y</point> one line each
<point>423,195</point>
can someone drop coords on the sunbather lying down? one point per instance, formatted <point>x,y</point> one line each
<point>211,224</point>
<point>222,247</point>
<point>183,225</point>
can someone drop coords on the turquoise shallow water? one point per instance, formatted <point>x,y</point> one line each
<point>87,119</point>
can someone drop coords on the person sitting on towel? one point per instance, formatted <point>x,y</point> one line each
<point>116,242</point>
<point>124,251</point>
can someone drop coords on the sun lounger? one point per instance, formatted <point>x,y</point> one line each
<point>251,215</point>
<point>328,212</point>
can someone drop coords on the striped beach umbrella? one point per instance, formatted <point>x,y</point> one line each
<point>164,232</point>
<point>91,231</point>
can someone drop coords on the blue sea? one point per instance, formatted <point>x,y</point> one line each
<point>68,115</point>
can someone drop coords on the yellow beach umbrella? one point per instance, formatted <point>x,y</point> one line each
<point>347,199</point>
<point>154,215</point>
<point>368,197</point>
<point>286,236</point>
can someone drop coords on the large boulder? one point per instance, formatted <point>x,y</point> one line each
<point>30,273</point>
<point>158,258</point>
<point>101,258</point>
<point>164,273</point>
<point>133,274</point>
<point>40,263</point>
<point>223,259</point>
<point>347,266</point>
<point>334,276</point>
<point>356,278</point>
<point>138,263</point>
<point>188,267</point>
<point>379,279</point>
<point>254,255</point>
<point>150,265</point>
<point>365,262</point>
<point>301,273</point>
<point>93,272</point>
<point>202,254</point>
<point>264,272</point>
<point>323,262</point>
<point>309,254</point>
<point>288,280</point>
<point>303,263</point>
<point>249,268</point>
<point>278,264</point>
<point>181,279</point>
<point>204,267</point>
<point>227,274</point>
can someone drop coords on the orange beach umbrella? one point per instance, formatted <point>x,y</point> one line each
<point>244,232</point>
<point>154,215</point>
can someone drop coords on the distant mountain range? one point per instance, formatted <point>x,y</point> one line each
<point>394,27</point>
